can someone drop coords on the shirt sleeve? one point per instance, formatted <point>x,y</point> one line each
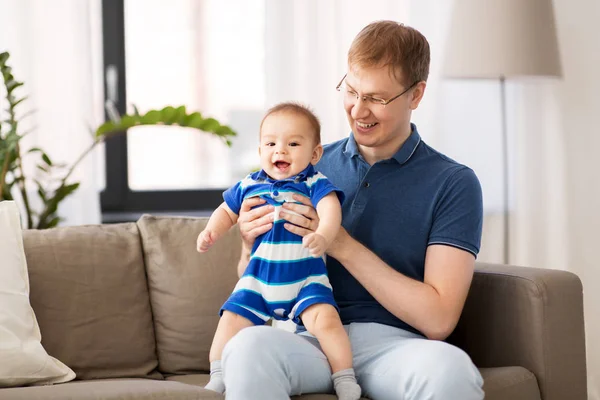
<point>234,196</point>
<point>458,214</point>
<point>321,188</point>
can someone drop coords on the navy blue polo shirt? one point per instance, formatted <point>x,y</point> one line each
<point>396,208</point>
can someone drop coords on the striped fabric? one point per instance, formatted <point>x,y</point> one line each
<point>282,278</point>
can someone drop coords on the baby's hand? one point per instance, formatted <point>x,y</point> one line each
<point>205,240</point>
<point>315,243</point>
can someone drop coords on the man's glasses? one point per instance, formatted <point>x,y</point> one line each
<point>353,95</point>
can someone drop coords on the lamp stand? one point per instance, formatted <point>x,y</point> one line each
<point>505,186</point>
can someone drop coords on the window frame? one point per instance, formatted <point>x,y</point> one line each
<point>117,201</point>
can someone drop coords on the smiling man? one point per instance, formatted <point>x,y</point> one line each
<point>402,264</point>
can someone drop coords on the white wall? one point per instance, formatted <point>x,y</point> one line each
<point>579,40</point>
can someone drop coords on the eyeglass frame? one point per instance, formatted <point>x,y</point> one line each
<point>383,102</point>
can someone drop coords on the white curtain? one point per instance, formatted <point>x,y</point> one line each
<point>306,48</point>
<point>55,49</point>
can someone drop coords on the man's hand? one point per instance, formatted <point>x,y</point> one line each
<point>254,222</point>
<point>315,243</point>
<point>205,240</point>
<point>308,222</point>
<point>305,223</point>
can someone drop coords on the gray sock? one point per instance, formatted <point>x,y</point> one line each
<point>216,383</point>
<point>345,385</point>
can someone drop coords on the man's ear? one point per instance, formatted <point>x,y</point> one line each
<point>317,153</point>
<point>417,94</point>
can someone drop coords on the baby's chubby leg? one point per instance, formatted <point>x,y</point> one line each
<point>229,325</point>
<point>323,321</point>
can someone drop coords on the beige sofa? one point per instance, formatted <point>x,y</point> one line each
<point>132,308</point>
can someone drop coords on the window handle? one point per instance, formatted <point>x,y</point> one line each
<point>112,92</point>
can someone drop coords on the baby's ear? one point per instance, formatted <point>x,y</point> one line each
<point>317,154</point>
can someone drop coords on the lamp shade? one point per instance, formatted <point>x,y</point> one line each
<point>502,38</point>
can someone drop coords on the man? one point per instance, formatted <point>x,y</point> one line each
<point>402,264</point>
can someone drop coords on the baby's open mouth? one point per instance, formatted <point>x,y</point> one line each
<point>281,165</point>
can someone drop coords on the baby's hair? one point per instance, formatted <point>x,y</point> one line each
<point>298,109</point>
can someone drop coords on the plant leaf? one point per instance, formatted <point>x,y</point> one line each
<point>128,121</point>
<point>210,125</point>
<point>16,103</point>
<point>194,120</point>
<point>42,194</point>
<point>59,195</point>
<point>53,222</point>
<point>107,127</point>
<point>12,85</point>
<point>168,116</point>
<point>46,159</point>
<point>150,118</point>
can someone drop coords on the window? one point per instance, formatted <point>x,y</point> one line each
<point>185,52</point>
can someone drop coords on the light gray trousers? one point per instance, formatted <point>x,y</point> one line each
<point>265,363</point>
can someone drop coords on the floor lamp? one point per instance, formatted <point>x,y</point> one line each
<point>502,39</point>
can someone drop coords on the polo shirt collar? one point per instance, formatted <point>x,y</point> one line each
<point>409,146</point>
<point>402,155</point>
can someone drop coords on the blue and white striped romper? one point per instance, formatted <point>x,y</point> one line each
<point>282,278</point>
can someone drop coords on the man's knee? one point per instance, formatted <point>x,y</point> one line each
<point>244,348</point>
<point>448,359</point>
<point>424,369</point>
<point>448,369</point>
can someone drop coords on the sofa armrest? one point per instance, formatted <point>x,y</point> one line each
<point>528,317</point>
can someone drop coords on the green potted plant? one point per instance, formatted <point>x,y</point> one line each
<point>53,183</point>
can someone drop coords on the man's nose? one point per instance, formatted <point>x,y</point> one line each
<point>359,109</point>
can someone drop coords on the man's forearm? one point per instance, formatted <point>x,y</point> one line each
<point>416,303</point>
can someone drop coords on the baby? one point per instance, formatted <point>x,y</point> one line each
<point>286,277</point>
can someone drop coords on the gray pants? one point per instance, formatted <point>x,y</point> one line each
<point>265,363</point>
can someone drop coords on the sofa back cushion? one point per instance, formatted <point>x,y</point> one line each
<point>90,295</point>
<point>187,289</point>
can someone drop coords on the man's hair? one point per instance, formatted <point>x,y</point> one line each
<point>388,43</point>
<point>298,109</point>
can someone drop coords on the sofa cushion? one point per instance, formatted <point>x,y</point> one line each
<point>187,289</point>
<point>202,379</point>
<point>89,292</point>
<point>112,389</point>
<point>191,379</point>
<point>515,383</point>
